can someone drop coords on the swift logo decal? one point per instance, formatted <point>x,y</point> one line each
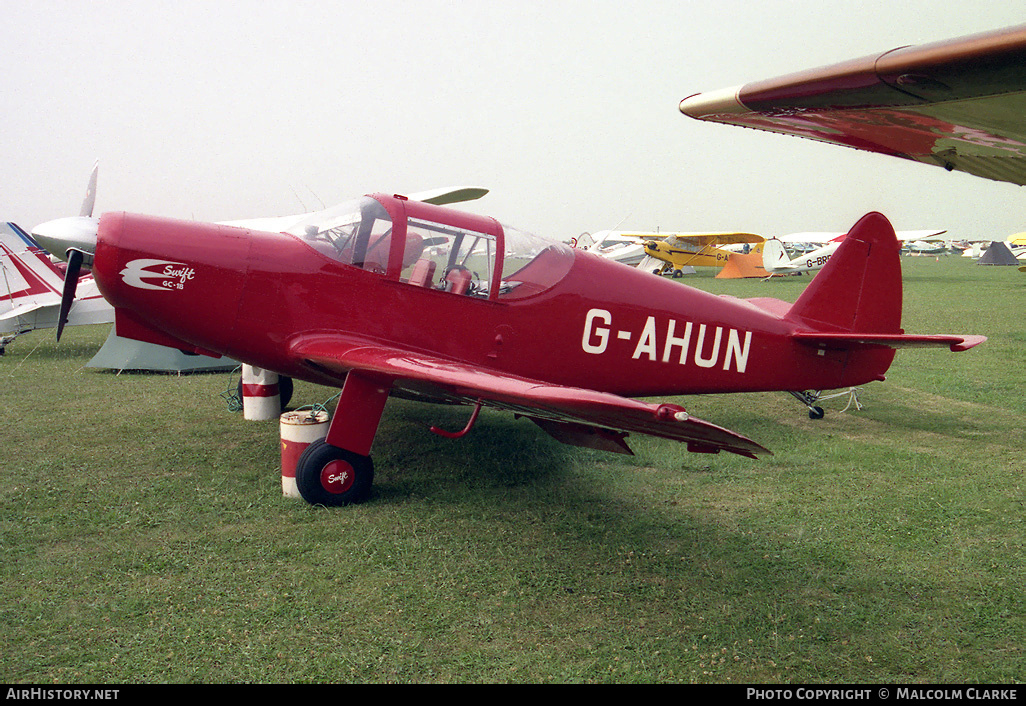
<point>708,340</point>
<point>172,275</point>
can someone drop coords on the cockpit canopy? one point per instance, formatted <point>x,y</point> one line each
<point>434,247</point>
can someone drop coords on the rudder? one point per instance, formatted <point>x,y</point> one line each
<point>859,289</point>
<point>773,255</point>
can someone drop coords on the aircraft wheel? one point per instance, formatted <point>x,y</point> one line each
<point>285,390</point>
<point>677,274</point>
<point>816,413</point>
<point>329,475</point>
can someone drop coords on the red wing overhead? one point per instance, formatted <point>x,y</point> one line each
<point>959,104</point>
<point>573,415</point>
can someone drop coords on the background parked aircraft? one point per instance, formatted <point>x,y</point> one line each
<point>30,289</point>
<point>669,252</point>
<point>778,260</point>
<point>61,236</point>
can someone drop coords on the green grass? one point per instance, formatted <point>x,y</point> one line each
<point>144,538</point>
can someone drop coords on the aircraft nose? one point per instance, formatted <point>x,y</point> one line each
<point>60,236</point>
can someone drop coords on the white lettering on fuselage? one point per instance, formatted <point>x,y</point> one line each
<point>708,351</point>
<point>174,275</point>
<point>814,262</point>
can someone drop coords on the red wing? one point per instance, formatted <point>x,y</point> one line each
<point>958,104</point>
<point>569,407</point>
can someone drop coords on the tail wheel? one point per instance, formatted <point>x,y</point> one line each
<point>332,476</point>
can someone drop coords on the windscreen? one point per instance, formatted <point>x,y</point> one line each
<point>532,264</point>
<point>355,233</point>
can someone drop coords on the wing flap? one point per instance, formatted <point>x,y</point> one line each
<point>426,374</point>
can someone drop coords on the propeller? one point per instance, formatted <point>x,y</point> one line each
<point>78,238</point>
<point>60,236</point>
<point>74,240</point>
<point>75,258</point>
<point>90,197</point>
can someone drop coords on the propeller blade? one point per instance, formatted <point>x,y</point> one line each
<point>75,258</point>
<point>90,197</point>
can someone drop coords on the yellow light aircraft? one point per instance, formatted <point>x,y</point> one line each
<point>676,251</point>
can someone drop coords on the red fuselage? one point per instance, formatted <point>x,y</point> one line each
<point>597,325</point>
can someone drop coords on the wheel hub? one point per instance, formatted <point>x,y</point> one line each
<point>337,477</point>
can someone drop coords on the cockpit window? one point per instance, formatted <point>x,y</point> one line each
<point>448,258</point>
<point>532,264</point>
<point>355,233</point>
<point>439,256</point>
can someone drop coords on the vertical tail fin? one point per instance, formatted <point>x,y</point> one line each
<point>859,289</point>
<point>773,255</point>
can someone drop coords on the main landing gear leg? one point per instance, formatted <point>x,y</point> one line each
<point>338,470</point>
<point>809,399</point>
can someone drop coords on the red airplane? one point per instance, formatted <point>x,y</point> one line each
<point>394,296</point>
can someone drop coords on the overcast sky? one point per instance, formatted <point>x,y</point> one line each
<point>567,111</point>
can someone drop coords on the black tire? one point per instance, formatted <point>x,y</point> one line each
<point>285,390</point>
<point>331,476</point>
<point>816,413</point>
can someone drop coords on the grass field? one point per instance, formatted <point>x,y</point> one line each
<point>145,537</point>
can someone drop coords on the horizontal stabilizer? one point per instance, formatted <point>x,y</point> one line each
<point>891,340</point>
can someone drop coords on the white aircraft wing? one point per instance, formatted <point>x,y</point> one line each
<point>451,194</point>
<point>910,235</point>
<point>820,238</point>
<point>823,238</point>
<point>328,218</point>
<point>26,309</point>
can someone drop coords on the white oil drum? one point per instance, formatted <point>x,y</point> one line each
<point>298,429</point>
